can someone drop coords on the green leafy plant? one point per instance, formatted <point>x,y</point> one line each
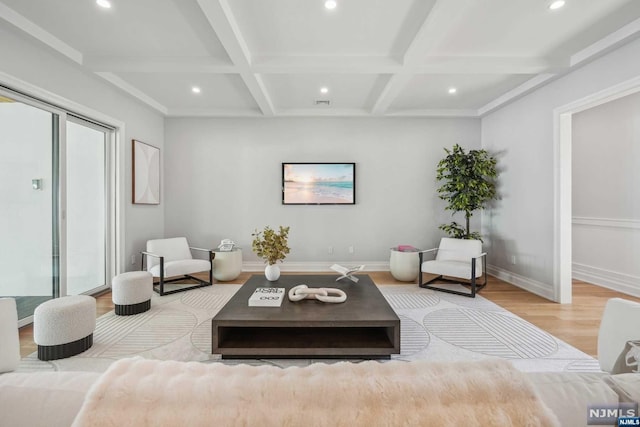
<point>469,184</point>
<point>271,245</point>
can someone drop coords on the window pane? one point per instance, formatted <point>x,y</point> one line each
<point>86,208</point>
<point>26,189</point>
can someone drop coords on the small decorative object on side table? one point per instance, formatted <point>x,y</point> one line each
<point>403,263</point>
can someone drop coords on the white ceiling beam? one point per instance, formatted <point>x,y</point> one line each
<point>390,92</point>
<point>439,22</point>
<point>601,47</point>
<point>133,91</point>
<point>35,31</point>
<point>488,65</point>
<point>58,45</point>
<point>223,23</point>
<point>323,112</point>
<point>221,19</point>
<point>312,64</point>
<point>517,92</point>
<point>256,87</point>
<point>433,113</point>
<point>610,42</point>
<point>214,112</point>
<point>315,64</point>
<point>192,13</point>
<point>116,64</point>
<point>291,112</point>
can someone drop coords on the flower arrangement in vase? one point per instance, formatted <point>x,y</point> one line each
<point>272,247</point>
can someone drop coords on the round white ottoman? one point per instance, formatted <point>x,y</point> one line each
<point>131,292</point>
<point>63,327</point>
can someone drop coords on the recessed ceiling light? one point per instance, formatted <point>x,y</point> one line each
<point>104,3</point>
<point>195,89</point>
<point>556,4</point>
<point>452,90</point>
<point>324,90</point>
<point>330,4</point>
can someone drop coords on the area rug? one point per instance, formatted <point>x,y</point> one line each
<point>435,326</point>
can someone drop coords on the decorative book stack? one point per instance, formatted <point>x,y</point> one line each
<point>266,297</point>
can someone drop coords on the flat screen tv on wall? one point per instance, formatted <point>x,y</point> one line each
<point>318,183</point>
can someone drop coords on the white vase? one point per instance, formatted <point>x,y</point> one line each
<point>272,272</point>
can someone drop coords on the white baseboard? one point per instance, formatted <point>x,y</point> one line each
<point>614,280</point>
<point>25,321</point>
<point>317,266</point>
<point>541,289</point>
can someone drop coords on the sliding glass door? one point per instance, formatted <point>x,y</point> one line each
<point>57,203</point>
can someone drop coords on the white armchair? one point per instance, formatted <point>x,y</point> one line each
<point>172,257</point>
<point>455,258</point>
<point>620,323</point>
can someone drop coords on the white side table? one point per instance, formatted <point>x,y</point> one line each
<point>404,265</point>
<point>227,265</point>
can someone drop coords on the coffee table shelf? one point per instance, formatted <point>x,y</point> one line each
<point>364,326</point>
<point>343,341</point>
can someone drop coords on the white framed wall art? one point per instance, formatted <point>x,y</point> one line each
<point>146,173</point>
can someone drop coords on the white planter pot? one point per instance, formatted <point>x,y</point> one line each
<point>272,272</point>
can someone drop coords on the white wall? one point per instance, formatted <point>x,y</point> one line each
<point>606,194</point>
<point>522,131</point>
<point>223,180</point>
<point>28,60</point>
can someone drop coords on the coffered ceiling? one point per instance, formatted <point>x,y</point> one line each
<point>252,58</point>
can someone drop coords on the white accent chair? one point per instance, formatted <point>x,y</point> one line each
<point>172,258</point>
<point>455,258</point>
<point>620,323</point>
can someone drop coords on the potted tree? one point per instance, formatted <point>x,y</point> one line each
<point>272,247</point>
<point>468,184</point>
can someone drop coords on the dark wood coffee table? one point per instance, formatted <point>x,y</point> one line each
<point>364,326</point>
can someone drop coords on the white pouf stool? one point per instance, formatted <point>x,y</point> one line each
<point>63,327</point>
<point>131,292</point>
<point>10,342</point>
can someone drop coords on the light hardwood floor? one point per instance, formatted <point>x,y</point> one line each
<point>576,323</point>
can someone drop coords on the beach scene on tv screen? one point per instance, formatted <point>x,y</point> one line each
<point>318,183</point>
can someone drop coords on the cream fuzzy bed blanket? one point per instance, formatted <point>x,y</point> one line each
<point>140,392</point>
